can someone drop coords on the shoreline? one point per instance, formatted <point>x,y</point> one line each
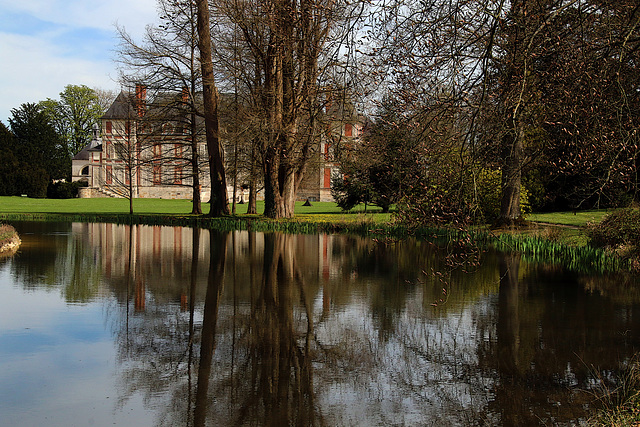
<point>535,246</point>
<point>10,244</point>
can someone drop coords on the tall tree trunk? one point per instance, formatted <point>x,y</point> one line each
<point>196,208</point>
<point>253,184</point>
<point>513,156</point>
<point>514,97</point>
<point>219,203</point>
<point>279,187</point>
<point>288,65</point>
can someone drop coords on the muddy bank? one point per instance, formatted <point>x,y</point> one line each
<point>9,240</point>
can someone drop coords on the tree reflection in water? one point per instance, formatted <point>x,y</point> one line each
<point>273,380</point>
<point>246,328</point>
<point>215,284</point>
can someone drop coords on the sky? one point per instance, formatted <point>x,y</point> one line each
<point>48,44</point>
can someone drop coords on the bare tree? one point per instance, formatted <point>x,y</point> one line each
<point>218,203</point>
<point>105,97</point>
<point>167,63</point>
<point>514,80</point>
<point>124,149</point>
<point>288,48</point>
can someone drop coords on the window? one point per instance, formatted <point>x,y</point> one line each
<point>108,127</point>
<point>85,170</point>
<point>348,129</point>
<point>157,175</point>
<point>177,175</point>
<point>328,152</point>
<point>109,175</point>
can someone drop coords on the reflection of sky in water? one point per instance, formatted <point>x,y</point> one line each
<point>57,362</point>
<point>81,344</point>
<point>431,345</point>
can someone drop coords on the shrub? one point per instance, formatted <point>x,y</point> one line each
<point>620,228</point>
<point>32,182</point>
<point>64,190</point>
<point>488,186</point>
<point>6,231</point>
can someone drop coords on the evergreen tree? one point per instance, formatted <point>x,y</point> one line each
<point>40,151</point>
<point>8,162</point>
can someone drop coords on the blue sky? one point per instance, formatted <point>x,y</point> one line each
<point>48,44</point>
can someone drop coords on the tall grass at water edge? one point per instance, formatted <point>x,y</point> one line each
<point>619,397</point>
<point>575,258</point>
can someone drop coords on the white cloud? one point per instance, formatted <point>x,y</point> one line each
<point>133,14</point>
<point>61,43</point>
<point>35,70</point>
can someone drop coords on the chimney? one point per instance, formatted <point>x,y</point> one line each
<point>141,99</point>
<point>185,94</point>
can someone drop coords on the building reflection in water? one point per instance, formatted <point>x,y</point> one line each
<point>280,329</point>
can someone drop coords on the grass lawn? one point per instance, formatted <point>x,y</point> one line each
<point>318,211</point>
<point>578,219</point>
<point>93,206</point>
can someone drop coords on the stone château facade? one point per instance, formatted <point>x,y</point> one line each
<point>147,151</point>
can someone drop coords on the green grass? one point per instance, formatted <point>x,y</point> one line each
<point>163,207</point>
<point>577,219</point>
<point>93,206</point>
<point>318,211</point>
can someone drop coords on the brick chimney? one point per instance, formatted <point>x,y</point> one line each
<point>141,99</point>
<point>185,94</point>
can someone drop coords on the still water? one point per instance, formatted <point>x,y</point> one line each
<point>104,325</point>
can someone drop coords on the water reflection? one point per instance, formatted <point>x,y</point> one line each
<point>215,328</point>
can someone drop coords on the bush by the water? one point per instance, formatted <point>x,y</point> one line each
<point>620,229</point>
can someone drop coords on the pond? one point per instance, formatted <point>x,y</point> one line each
<point>104,324</point>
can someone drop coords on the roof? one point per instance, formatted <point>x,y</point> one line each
<point>94,145</point>
<point>83,154</point>
<point>121,108</point>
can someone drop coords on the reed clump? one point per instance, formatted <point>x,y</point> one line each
<point>575,258</point>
